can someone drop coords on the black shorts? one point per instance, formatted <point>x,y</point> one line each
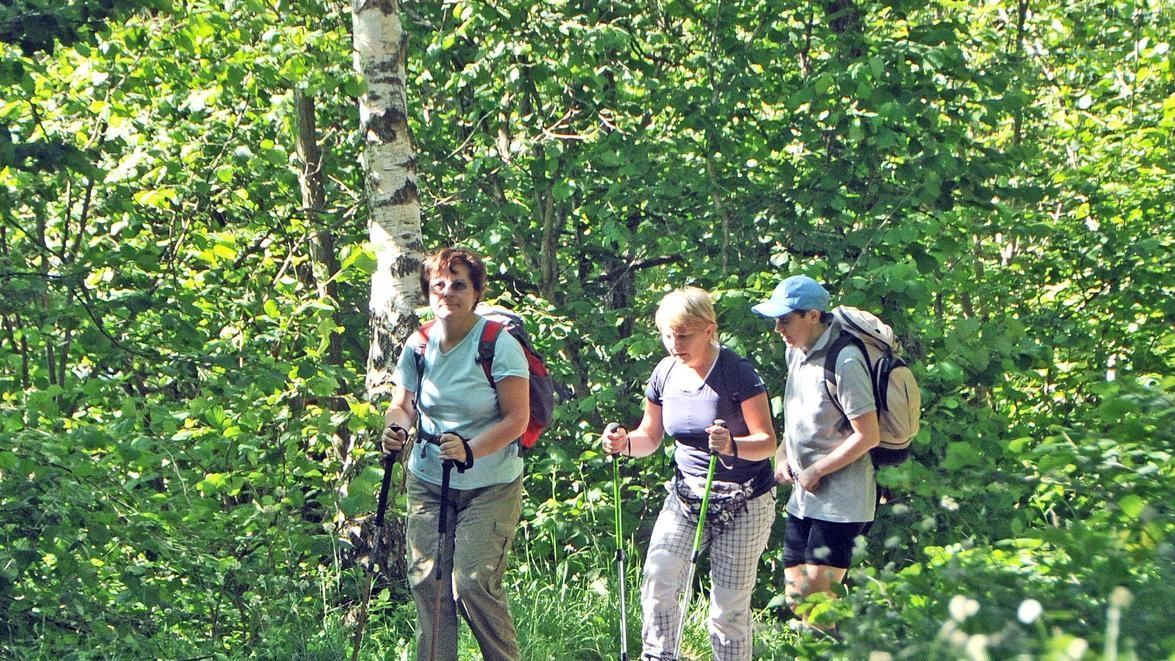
<point>816,542</point>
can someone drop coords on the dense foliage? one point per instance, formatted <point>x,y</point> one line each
<point>180,391</point>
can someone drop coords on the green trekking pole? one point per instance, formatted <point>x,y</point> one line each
<point>697,551</point>
<point>620,557</point>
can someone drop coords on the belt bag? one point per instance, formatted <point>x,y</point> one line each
<point>727,501</point>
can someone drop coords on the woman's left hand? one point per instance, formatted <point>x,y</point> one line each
<point>721,442</point>
<point>453,448</point>
<point>809,478</point>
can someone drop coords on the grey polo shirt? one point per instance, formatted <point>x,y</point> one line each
<point>815,426</point>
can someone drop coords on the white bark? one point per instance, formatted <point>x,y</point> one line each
<point>389,164</point>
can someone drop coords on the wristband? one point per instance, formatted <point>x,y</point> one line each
<point>733,455</point>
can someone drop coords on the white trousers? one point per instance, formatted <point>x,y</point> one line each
<point>734,559</point>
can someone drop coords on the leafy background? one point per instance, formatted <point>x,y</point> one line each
<point>993,178</point>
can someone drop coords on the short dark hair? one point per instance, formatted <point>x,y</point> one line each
<point>443,261</point>
<point>825,316</point>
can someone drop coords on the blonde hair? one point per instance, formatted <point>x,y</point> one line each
<point>687,306</point>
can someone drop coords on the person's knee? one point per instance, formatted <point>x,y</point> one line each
<point>476,585</point>
<point>422,575</point>
<point>662,573</point>
<point>730,623</point>
<point>793,596</point>
<point>796,588</point>
<point>664,565</point>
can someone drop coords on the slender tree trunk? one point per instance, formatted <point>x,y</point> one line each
<point>324,263</point>
<point>393,202</point>
<point>548,250</point>
<point>394,226</point>
<point>1020,57</point>
<point>322,244</point>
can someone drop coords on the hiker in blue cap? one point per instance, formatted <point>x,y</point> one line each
<point>824,455</point>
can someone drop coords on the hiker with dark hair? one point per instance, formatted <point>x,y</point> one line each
<point>698,384</point>
<point>828,437</point>
<point>463,421</point>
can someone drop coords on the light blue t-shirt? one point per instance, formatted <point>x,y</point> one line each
<point>455,396</point>
<point>816,426</point>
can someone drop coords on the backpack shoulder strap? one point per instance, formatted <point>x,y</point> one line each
<point>664,374</point>
<point>486,346</point>
<point>419,342</point>
<point>728,362</point>
<point>843,340</point>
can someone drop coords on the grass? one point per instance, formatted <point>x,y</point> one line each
<point>568,612</point>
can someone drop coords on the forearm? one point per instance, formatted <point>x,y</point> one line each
<point>401,412</point>
<point>514,404</point>
<point>781,456</point>
<point>646,438</point>
<point>853,448</point>
<point>755,447</point>
<point>641,444</point>
<point>760,441</point>
<point>502,433</point>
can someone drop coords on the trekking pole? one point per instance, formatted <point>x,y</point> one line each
<point>442,531</point>
<point>613,426</point>
<point>389,460</point>
<point>697,551</point>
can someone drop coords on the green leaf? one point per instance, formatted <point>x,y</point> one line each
<point>1132,505</point>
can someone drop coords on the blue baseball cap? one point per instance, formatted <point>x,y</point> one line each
<point>799,292</point>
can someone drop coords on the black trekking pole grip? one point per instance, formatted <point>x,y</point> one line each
<point>722,423</point>
<point>388,461</point>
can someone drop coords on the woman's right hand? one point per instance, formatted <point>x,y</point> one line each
<point>614,439</point>
<point>783,474</point>
<point>783,469</point>
<point>393,439</point>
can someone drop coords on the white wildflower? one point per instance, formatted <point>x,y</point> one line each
<point>1029,610</point>
<point>963,607</point>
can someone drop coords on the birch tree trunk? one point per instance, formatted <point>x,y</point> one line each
<point>393,205</point>
<point>393,202</point>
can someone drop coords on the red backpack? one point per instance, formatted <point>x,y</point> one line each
<point>542,386</point>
